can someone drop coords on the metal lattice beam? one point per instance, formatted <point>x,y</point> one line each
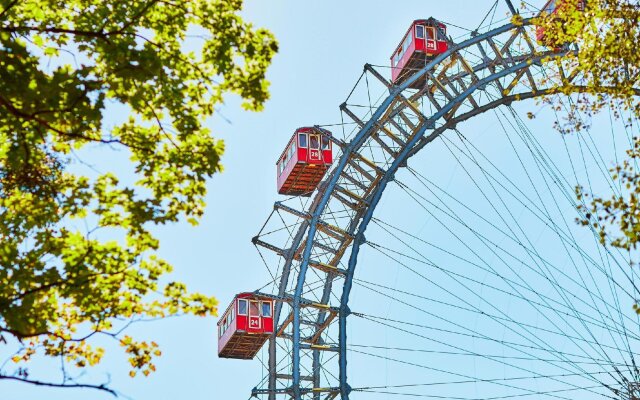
<point>494,63</point>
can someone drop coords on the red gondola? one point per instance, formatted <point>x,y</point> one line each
<point>245,326</point>
<point>425,39</point>
<point>553,7</point>
<point>304,161</point>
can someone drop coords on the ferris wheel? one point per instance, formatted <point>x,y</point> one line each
<point>481,285</point>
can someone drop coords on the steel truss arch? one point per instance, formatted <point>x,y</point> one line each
<point>503,65</point>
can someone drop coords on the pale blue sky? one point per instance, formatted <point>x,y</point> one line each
<point>323,47</point>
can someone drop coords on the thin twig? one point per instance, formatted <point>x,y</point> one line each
<point>60,385</point>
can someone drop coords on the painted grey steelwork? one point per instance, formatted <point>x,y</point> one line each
<point>389,176</point>
<point>467,81</point>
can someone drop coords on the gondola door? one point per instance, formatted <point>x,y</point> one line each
<point>255,322</point>
<point>431,38</point>
<point>314,147</point>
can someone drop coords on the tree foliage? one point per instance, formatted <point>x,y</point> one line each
<point>65,68</point>
<point>622,210</point>
<point>607,34</point>
<point>600,42</point>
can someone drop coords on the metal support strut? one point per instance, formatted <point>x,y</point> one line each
<point>511,7</point>
<point>400,125</point>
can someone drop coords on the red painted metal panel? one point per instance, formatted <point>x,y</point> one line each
<point>286,174</point>
<point>230,330</point>
<point>268,324</point>
<point>405,51</point>
<point>225,337</point>
<point>327,156</point>
<point>302,154</point>
<point>241,323</point>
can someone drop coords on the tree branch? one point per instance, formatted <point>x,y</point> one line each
<point>32,117</point>
<point>93,34</point>
<point>8,7</point>
<point>101,387</point>
<point>135,18</point>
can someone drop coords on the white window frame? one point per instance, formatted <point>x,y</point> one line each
<point>319,141</point>
<point>262,309</point>
<point>433,33</point>
<point>406,43</point>
<point>306,140</point>
<point>322,142</point>
<point>246,308</point>
<point>423,32</point>
<point>290,150</point>
<point>438,34</point>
